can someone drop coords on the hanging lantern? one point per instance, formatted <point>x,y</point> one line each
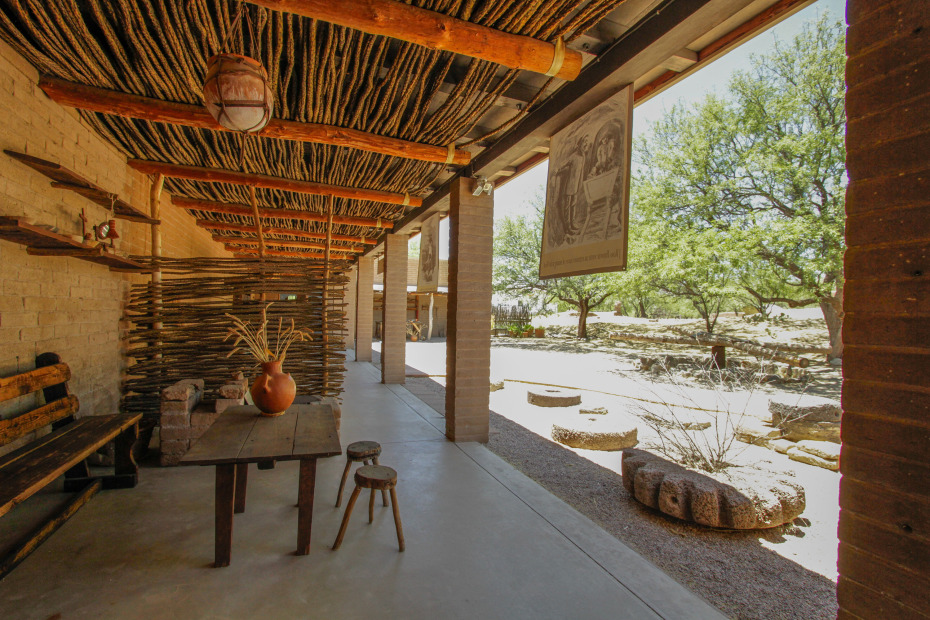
<point>236,92</point>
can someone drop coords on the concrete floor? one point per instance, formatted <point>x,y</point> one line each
<point>483,541</point>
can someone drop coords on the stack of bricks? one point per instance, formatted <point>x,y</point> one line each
<point>232,393</point>
<point>178,403</point>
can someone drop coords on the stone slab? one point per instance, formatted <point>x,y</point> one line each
<point>553,397</point>
<point>799,455</point>
<point>736,498</point>
<point>596,434</point>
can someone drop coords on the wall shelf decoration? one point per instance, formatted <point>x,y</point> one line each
<point>63,178</point>
<point>40,241</point>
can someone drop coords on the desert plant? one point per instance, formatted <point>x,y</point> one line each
<point>706,442</point>
<point>256,340</point>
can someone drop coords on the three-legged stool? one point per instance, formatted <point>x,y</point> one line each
<point>376,478</point>
<point>365,452</point>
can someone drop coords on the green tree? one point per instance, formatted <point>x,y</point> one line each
<point>765,166</point>
<point>517,245</point>
<point>683,262</point>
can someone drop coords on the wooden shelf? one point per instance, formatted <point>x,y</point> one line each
<point>43,242</point>
<point>63,178</point>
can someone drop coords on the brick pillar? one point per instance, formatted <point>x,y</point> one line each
<point>468,344</point>
<point>364,308</point>
<point>394,338</point>
<point>350,301</point>
<point>884,493</point>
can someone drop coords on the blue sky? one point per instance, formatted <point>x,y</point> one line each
<point>512,199</point>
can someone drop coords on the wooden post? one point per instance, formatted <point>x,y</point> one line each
<point>429,331</point>
<point>326,279</point>
<point>719,356</point>
<point>158,184</point>
<point>258,222</point>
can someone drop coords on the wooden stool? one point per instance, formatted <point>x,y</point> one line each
<point>365,452</point>
<point>376,478</point>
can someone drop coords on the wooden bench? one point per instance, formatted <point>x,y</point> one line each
<point>64,451</point>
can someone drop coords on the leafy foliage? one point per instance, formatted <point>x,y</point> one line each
<point>517,245</point>
<point>764,169</point>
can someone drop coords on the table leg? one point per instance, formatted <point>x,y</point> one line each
<point>242,479</point>
<point>305,504</point>
<point>225,500</point>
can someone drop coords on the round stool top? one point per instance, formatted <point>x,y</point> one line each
<point>375,477</point>
<point>363,449</point>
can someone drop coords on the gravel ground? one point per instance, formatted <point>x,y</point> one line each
<point>733,570</point>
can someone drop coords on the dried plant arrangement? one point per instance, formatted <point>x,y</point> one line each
<point>256,340</point>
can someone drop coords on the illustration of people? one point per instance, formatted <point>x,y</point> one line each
<point>566,186</point>
<point>604,185</point>
<point>428,255</point>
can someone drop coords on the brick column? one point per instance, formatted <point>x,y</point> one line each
<point>394,338</point>
<point>364,308</point>
<point>884,494</point>
<point>468,344</point>
<point>350,301</point>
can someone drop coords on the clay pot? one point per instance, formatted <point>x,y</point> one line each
<point>273,390</point>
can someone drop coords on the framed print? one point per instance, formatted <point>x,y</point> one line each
<point>428,270</point>
<point>588,192</point>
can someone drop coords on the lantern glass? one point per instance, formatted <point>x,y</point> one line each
<point>236,92</point>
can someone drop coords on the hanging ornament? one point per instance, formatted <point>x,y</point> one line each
<point>236,90</point>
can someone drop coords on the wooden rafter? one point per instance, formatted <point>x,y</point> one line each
<point>397,20</point>
<point>127,105</point>
<point>313,245</point>
<point>283,247</point>
<point>250,253</point>
<point>212,206</point>
<point>218,175</point>
<point>270,230</point>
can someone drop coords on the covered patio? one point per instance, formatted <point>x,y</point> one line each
<point>482,541</point>
<point>386,115</point>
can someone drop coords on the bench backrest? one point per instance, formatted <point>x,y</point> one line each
<point>50,376</point>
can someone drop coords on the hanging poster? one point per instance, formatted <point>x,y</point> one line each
<point>588,192</point>
<point>428,272</point>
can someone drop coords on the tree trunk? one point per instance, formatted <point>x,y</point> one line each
<point>583,318</point>
<point>642,310</point>
<point>832,308</point>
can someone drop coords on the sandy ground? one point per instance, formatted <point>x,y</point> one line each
<point>784,572</point>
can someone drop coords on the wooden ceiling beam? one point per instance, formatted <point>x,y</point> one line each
<point>436,31</point>
<point>212,206</point>
<point>315,245</point>
<point>301,234</point>
<point>250,253</point>
<point>218,175</point>
<point>239,246</point>
<point>127,105</point>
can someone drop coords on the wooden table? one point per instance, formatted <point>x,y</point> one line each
<point>241,436</point>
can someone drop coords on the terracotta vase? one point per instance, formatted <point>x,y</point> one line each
<point>273,390</point>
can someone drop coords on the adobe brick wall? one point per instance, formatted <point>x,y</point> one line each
<point>350,301</point>
<point>394,338</point>
<point>60,304</point>
<point>468,343</point>
<point>884,529</point>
